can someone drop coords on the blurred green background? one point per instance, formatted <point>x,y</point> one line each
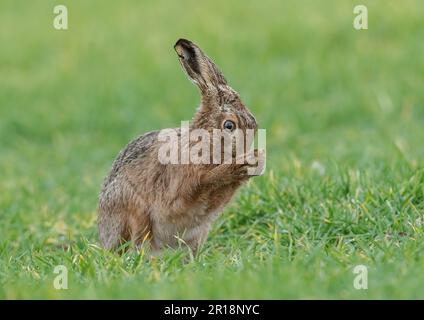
<point>344,115</point>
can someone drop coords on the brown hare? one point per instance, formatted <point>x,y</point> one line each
<point>145,200</point>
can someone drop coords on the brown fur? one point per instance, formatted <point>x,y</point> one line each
<point>144,200</point>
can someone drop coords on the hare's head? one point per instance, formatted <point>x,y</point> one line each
<point>221,106</point>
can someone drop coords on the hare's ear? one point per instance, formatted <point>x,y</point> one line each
<point>200,69</point>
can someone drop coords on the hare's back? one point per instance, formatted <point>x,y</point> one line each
<point>137,149</point>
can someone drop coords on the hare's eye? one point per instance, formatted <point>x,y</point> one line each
<point>229,125</point>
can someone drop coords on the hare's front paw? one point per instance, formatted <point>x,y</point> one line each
<point>251,164</point>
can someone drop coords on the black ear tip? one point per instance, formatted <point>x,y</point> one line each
<point>183,43</point>
<point>185,49</point>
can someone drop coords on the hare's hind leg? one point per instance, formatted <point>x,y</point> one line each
<point>112,229</point>
<point>123,215</point>
<point>113,216</point>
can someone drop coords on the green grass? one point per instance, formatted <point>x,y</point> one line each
<point>344,115</point>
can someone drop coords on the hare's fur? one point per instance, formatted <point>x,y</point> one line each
<point>143,200</point>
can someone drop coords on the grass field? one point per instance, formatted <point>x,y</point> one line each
<point>344,115</point>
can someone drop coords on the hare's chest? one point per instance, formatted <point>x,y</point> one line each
<point>169,235</point>
<point>189,223</point>
<point>185,230</point>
